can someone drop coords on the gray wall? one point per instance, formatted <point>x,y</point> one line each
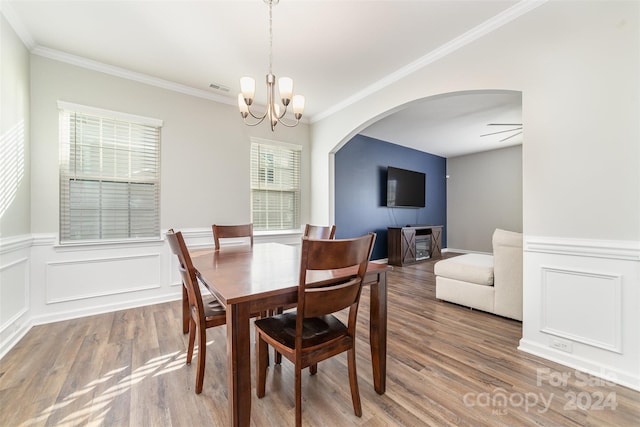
<point>14,129</point>
<point>484,192</point>
<point>205,146</point>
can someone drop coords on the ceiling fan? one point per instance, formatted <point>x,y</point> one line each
<point>515,129</point>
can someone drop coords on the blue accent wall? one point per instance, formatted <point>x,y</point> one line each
<point>361,190</point>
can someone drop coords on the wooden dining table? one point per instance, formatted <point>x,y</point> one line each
<point>252,279</point>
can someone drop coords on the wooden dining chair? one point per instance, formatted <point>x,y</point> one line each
<point>202,315</point>
<point>312,333</point>
<point>312,232</point>
<point>319,231</point>
<point>232,231</point>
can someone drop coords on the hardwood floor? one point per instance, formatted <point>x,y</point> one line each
<point>446,365</point>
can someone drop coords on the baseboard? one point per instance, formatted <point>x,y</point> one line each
<point>464,251</point>
<point>14,338</point>
<point>607,373</point>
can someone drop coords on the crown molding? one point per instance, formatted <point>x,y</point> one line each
<point>17,25</point>
<point>128,74</point>
<point>475,33</point>
<point>90,64</point>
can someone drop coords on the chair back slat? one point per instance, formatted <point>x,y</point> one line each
<point>232,231</point>
<point>319,231</point>
<point>328,254</point>
<point>334,254</point>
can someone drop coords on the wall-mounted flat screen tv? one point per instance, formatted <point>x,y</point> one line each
<point>405,188</point>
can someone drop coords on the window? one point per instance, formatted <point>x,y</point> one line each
<point>275,185</point>
<point>109,175</point>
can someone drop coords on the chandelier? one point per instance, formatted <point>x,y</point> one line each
<point>274,112</point>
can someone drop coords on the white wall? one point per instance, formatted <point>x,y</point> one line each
<point>577,66</point>
<point>15,241</point>
<point>14,134</point>
<point>484,192</point>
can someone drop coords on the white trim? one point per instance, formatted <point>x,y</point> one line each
<point>129,75</point>
<point>110,114</point>
<point>448,48</point>
<point>13,319</point>
<point>14,263</point>
<point>44,239</point>
<point>464,251</point>
<point>508,15</point>
<point>620,250</point>
<point>17,24</point>
<point>14,243</point>
<point>580,363</point>
<point>13,339</point>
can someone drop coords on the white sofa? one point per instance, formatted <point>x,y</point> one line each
<point>491,283</point>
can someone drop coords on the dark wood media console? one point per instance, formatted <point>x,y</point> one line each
<point>407,245</point>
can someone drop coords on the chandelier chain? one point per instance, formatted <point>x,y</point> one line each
<point>270,36</point>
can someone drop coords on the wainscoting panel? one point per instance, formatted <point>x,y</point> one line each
<point>581,304</point>
<point>596,306</point>
<point>14,290</point>
<point>81,279</point>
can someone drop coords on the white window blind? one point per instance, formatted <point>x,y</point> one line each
<point>109,175</point>
<point>275,185</point>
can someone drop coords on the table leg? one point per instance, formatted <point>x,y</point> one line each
<point>239,364</point>
<point>378,332</point>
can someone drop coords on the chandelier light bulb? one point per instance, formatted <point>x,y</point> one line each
<point>298,106</point>
<point>285,84</point>
<point>248,88</point>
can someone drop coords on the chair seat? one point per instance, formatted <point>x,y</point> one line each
<point>315,330</point>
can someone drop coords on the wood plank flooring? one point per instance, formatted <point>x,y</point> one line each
<point>447,366</point>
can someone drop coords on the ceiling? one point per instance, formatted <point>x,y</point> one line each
<point>335,50</point>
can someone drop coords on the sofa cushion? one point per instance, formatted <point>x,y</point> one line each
<point>506,238</point>
<point>474,268</point>
<point>465,293</point>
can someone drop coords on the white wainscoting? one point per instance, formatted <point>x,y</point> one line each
<point>14,290</point>
<point>90,278</point>
<point>598,328</point>
<point>42,281</point>
<point>581,305</point>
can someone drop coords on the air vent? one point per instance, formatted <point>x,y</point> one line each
<point>220,87</point>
